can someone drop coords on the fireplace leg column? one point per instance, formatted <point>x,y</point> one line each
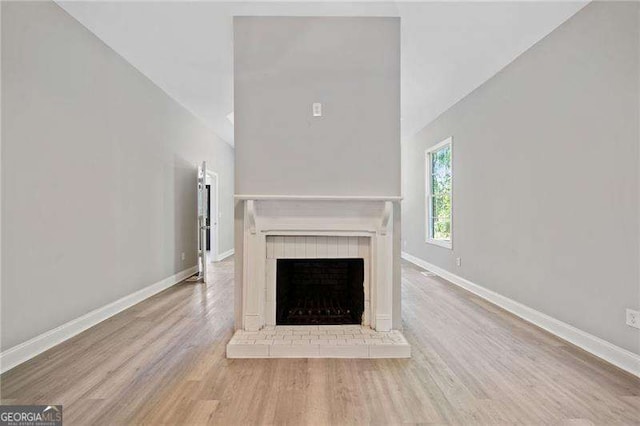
<point>384,272</point>
<point>254,273</point>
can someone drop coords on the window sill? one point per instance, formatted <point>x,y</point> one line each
<point>440,243</point>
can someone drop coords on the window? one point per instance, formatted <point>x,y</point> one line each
<point>439,179</point>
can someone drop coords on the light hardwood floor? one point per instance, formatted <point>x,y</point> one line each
<point>163,362</point>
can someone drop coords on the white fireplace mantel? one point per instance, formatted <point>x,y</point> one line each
<point>368,218</point>
<point>320,197</point>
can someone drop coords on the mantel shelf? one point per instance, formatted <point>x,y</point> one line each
<point>319,197</point>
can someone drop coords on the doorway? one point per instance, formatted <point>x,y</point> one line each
<point>212,216</point>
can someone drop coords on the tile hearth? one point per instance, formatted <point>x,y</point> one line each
<point>323,341</point>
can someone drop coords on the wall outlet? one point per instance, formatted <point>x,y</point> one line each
<point>317,109</point>
<point>459,261</point>
<point>633,318</point>
<point>182,256</point>
<point>404,243</point>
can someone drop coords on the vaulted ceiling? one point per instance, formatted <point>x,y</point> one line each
<point>448,48</point>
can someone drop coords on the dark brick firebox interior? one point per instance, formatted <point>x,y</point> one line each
<point>319,291</point>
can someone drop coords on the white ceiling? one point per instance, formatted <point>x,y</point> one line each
<point>448,48</point>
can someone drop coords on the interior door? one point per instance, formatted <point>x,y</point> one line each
<point>202,221</point>
<point>210,229</point>
<point>213,215</point>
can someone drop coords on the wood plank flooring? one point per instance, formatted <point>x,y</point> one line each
<point>163,362</point>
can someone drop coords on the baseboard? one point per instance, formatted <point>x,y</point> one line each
<point>609,352</point>
<point>223,256</point>
<point>32,347</point>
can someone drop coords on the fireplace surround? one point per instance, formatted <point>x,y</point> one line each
<point>307,261</point>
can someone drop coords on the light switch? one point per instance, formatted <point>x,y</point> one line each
<point>317,109</point>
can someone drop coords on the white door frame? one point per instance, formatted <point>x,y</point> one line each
<point>201,221</point>
<point>214,214</point>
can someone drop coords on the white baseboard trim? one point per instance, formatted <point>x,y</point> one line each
<point>609,352</point>
<point>32,347</point>
<point>223,256</point>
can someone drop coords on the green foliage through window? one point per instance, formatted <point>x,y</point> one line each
<point>440,202</point>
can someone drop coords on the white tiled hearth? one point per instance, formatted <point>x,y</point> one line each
<point>324,341</point>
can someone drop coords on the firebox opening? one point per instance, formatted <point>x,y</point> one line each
<point>319,291</point>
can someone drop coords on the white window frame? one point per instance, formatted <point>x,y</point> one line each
<point>429,194</point>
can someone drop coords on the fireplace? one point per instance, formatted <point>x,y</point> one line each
<point>317,279</point>
<point>319,291</point>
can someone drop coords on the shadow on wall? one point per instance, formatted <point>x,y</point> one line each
<point>185,199</point>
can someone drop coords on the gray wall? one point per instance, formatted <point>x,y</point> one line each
<point>98,174</point>
<point>284,64</point>
<point>546,159</point>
